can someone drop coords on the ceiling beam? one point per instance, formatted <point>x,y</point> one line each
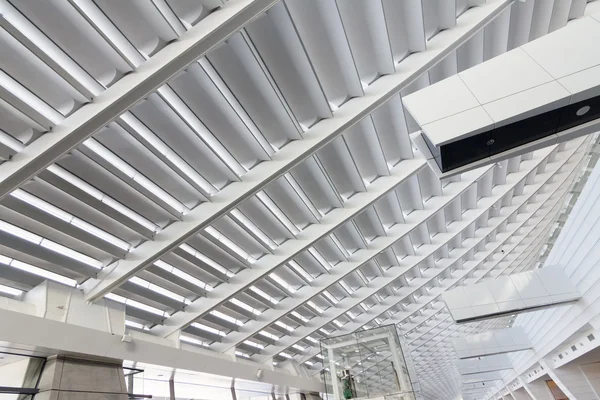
<point>548,197</point>
<point>128,91</point>
<point>271,315</point>
<point>318,136</point>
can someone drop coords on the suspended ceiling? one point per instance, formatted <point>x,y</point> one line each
<point>251,187</point>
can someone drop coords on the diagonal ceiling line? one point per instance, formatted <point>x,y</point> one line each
<point>290,340</point>
<point>270,316</point>
<point>322,133</point>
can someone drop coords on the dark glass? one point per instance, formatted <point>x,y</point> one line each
<point>464,151</point>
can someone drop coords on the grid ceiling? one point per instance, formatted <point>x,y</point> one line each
<point>265,195</point>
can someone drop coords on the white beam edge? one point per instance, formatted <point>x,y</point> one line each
<point>294,153</point>
<point>44,334</point>
<point>356,325</point>
<point>262,323</point>
<point>388,280</point>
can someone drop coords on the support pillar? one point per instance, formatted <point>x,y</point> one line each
<point>396,352</point>
<point>521,394</point>
<point>572,381</point>
<point>333,372</point>
<point>592,373</point>
<point>537,390</point>
<point>65,378</point>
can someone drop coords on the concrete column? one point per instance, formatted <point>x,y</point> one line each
<point>537,390</point>
<point>592,373</point>
<point>572,381</point>
<point>66,378</point>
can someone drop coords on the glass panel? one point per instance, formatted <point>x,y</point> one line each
<point>365,364</point>
<point>19,371</point>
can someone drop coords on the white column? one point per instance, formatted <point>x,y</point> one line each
<point>521,394</point>
<point>537,390</point>
<point>572,381</point>
<point>404,386</point>
<point>592,373</point>
<point>333,371</point>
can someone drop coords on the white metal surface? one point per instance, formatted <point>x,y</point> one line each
<point>242,177</point>
<point>518,293</point>
<point>493,342</point>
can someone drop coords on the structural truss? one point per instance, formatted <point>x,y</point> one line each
<point>239,173</point>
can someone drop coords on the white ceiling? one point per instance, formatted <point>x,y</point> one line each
<point>268,195</point>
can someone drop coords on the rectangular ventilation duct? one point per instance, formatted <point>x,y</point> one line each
<point>507,295</point>
<point>542,93</point>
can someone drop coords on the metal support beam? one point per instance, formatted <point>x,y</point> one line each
<point>509,247</point>
<point>381,308</point>
<point>28,331</point>
<point>322,133</point>
<point>270,316</point>
<point>128,91</point>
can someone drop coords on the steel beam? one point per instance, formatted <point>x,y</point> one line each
<point>317,137</point>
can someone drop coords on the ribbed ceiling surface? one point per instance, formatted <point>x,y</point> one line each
<point>267,196</point>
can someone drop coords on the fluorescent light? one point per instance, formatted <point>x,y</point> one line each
<point>191,340</point>
<point>239,353</point>
<point>99,233</point>
<point>30,99</point>
<point>75,255</point>
<point>190,250</point>
<point>21,233</point>
<point>71,219</point>
<point>268,335</point>
<point>298,347</point>
<point>271,206</point>
<point>166,151</point>
<point>315,307</point>
<point>284,326</point>
<point>286,355</point>
<point>245,306</point>
<point>282,282</point>
<point>133,174</point>
<point>110,32</point>
<point>92,191</point>
<point>290,179</point>
<point>136,304</point>
<point>226,317</point>
<point>254,344</point>
<point>11,291</point>
<point>209,329</point>
<point>43,273</point>
<point>136,325</point>
<point>48,244</point>
<point>296,267</point>
<point>248,224</point>
<point>346,287</point>
<point>320,259</point>
<point>264,295</point>
<point>41,41</point>
<point>330,297</point>
<point>229,244</point>
<point>299,316</point>
<point>155,288</point>
<point>207,137</point>
<point>183,275</point>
